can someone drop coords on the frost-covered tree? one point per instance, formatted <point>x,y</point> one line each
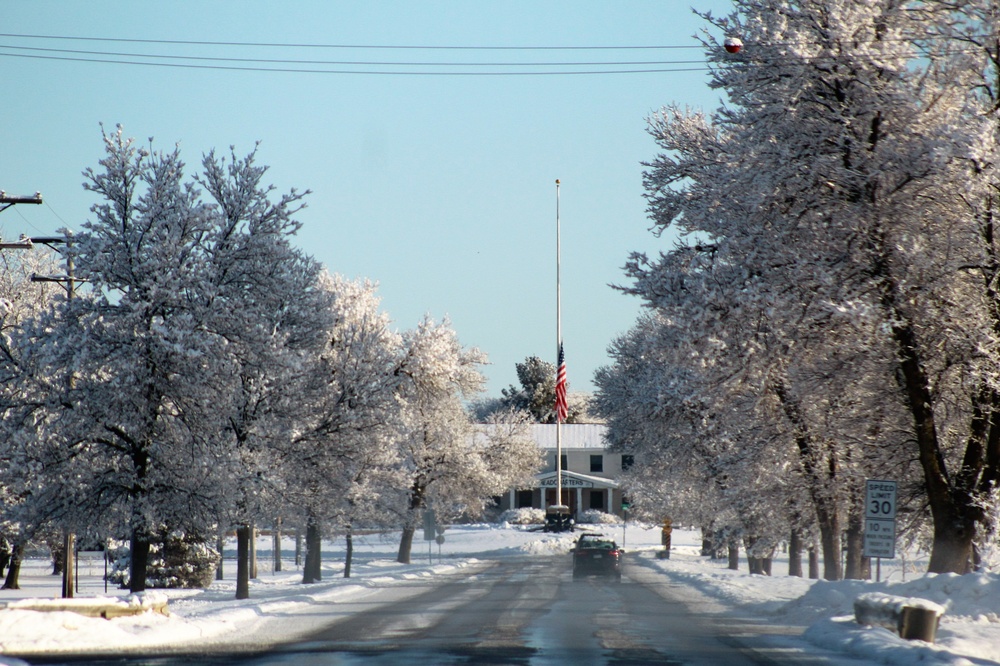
<point>270,306</point>
<point>341,456</point>
<point>831,273</point>
<point>435,431</point>
<point>963,44</point>
<point>447,464</point>
<point>162,386</point>
<point>21,301</point>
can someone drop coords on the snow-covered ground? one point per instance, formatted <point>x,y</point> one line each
<point>969,632</point>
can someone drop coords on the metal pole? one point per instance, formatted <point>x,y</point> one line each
<point>558,346</point>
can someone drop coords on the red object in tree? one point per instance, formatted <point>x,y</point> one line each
<point>733,44</point>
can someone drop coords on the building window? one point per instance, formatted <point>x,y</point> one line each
<point>627,461</point>
<point>597,463</point>
<point>597,500</point>
<point>524,498</point>
<point>562,458</point>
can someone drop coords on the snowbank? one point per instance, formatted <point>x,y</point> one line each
<point>970,627</point>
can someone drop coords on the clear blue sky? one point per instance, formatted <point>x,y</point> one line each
<point>440,188</point>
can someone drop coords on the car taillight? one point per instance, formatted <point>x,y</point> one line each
<point>615,553</point>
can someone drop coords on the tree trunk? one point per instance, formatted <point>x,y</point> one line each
<point>813,563</point>
<point>220,544</point>
<point>350,553</point>
<point>795,554</point>
<point>57,552</point>
<point>754,564</point>
<point>277,545</point>
<point>406,544</point>
<point>140,562</point>
<point>253,551</point>
<point>312,572</point>
<point>855,569</point>
<point>734,557</point>
<point>406,541</point>
<point>4,555</point>
<point>829,538</point>
<point>14,570</point>
<point>953,516</point>
<point>298,546</point>
<point>68,560</point>
<point>707,547</point>
<point>760,562</point>
<point>820,468</point>
<point>243,533</point>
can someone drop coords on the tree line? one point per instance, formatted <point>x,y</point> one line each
<point>199,373</point>
<point>830,312</point>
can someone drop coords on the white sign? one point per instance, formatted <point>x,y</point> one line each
<point>567,482</point>
<point>880,499</point>
<point>880,538</point>
<point>880,518</point>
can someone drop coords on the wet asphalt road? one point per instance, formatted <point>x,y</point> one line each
<point>527,612</point>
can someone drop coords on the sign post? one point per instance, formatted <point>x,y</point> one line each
<point>430,523</point>
<point>880,520</point>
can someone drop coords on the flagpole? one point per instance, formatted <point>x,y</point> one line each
<point>558,352</point>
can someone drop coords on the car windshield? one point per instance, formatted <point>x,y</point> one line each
<point>594,543</point>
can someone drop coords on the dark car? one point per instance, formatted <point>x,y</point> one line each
<point>558,519</point>
<point>597,555</point>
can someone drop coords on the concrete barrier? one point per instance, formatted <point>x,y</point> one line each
<point>911,618</point>
<point>106,607</point>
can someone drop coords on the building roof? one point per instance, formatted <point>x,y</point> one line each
<point>574,435</point>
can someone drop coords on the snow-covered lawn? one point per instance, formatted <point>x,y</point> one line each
<point>969,632</point>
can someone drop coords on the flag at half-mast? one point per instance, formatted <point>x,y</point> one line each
<point>562,408</point>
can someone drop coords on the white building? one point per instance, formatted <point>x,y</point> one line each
<point>590,472</point>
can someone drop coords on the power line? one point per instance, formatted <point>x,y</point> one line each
<point>349,46</point>
<point>412,47</point>
<point>358,67</point>
<point>352,71</point>
<point>302,66</point>
<point>387,63</point>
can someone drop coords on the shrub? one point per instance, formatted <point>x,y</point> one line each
<point>176,560</point>
<point>595,517</point>
<point>523,516</point>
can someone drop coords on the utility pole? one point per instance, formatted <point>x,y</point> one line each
<point>68,282</point>
<point>7,201</point>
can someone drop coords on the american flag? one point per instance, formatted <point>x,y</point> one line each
<point>562,409</point>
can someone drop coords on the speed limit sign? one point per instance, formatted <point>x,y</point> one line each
<point>880,519</point>
<point>880,499</point>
